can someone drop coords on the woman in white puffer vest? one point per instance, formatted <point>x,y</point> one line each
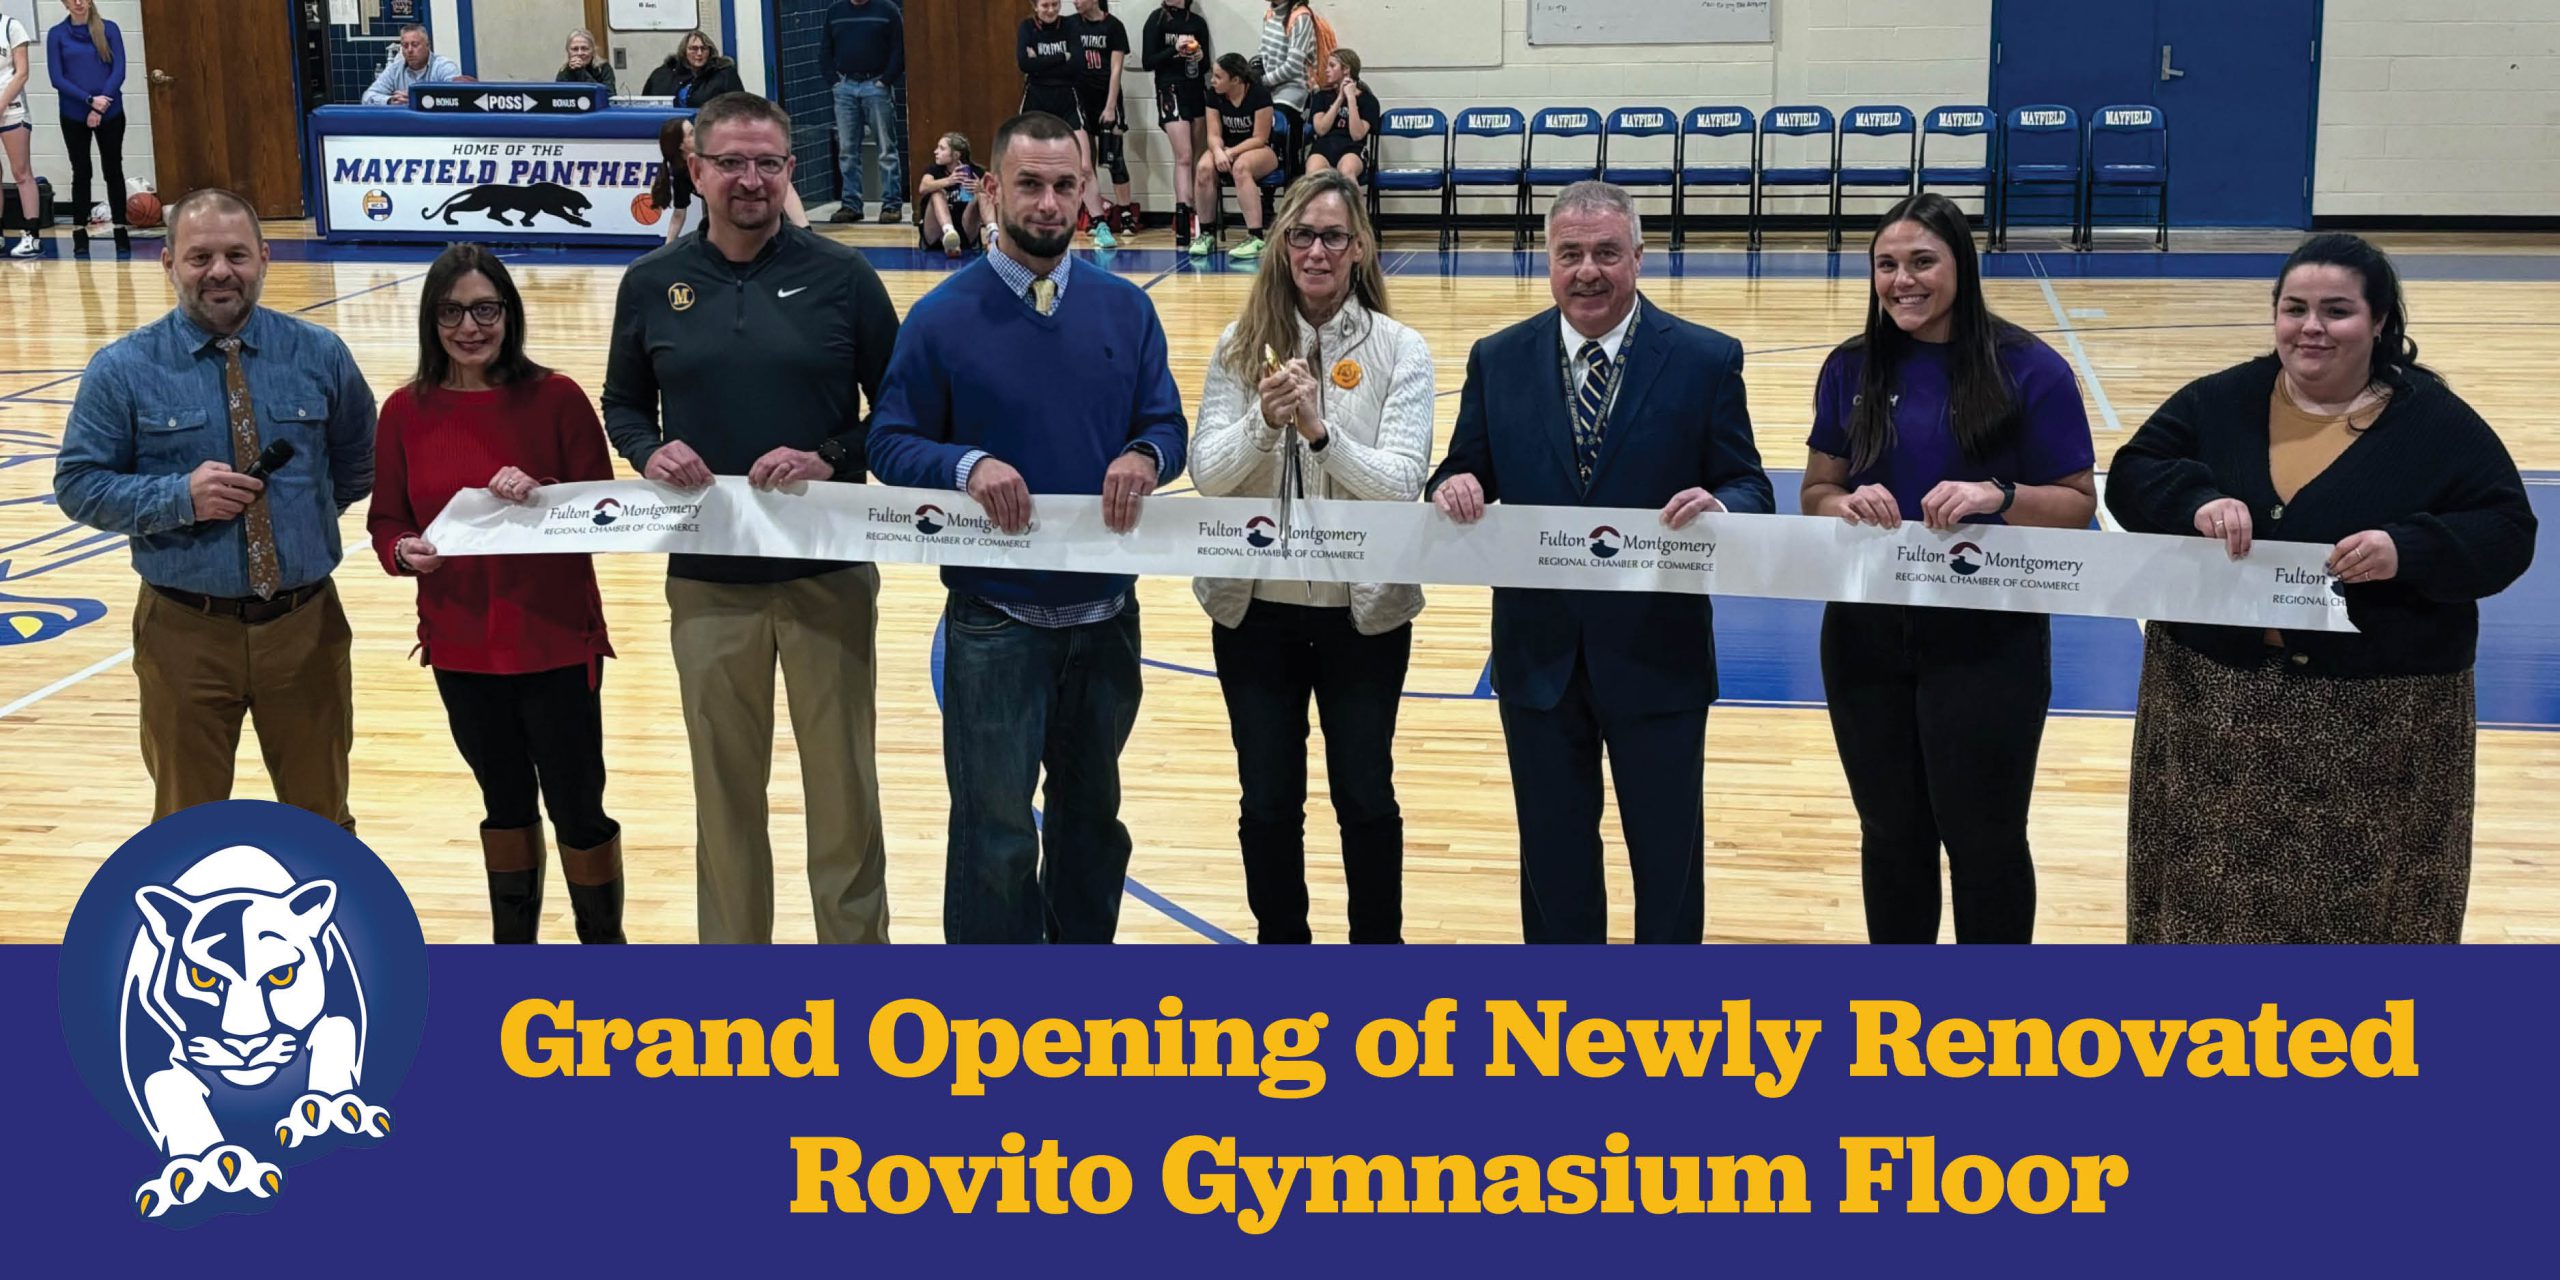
<point>1315,392</point>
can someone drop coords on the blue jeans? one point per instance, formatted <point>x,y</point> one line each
<point>1016,697</point>
<point>870,104</point>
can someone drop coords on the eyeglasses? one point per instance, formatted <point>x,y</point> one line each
<point>733,165</point>
<point>1334,239</point>
<point>449,314</point>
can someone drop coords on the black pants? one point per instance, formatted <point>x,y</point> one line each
<point>110,136</point>
<point>1267,667</point>
<point>1939,714</point>
<point>543,731</point>
<point>1657,761</point>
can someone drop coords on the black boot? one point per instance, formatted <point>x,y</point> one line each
<point>79,242</point>
<point>513,857</point>
<point>124,240</point>
<point>595,889</point>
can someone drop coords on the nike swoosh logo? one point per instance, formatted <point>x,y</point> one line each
<point>785,293</point>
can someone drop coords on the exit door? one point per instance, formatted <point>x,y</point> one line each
<point>2239,83</point>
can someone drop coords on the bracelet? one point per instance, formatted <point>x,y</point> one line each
<point>2008,496</point>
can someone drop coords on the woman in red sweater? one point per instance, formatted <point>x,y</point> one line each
<point>517,642</point>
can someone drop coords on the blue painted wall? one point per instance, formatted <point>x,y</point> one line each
<point>2241,112</point>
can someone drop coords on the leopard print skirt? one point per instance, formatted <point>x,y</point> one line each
<point>2273,807</point>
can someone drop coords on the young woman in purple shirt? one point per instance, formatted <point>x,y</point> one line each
<point>1944,413</point>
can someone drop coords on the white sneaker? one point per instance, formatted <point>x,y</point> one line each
<point>27,247</point>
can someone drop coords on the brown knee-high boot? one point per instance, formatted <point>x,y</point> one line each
<point>595,889</point>
<point>514,857</point>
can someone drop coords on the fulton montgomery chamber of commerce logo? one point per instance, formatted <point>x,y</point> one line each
<point>1976,565</point>
<point>243,987</point>
<point>1686,550</point>
<point>929,522</point>
<point>623,516</point>
<point>1263,538</point>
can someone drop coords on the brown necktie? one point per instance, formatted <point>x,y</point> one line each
<point>264,576</point>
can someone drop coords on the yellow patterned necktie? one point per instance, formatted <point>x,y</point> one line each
<point>264,576</point>
<point>1044,295</point>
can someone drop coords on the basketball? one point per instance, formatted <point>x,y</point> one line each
<point>143,209</point>
<point>644,210</point>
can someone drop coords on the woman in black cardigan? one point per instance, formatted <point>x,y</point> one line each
<point>2317,787</point>
<point>694,74</point>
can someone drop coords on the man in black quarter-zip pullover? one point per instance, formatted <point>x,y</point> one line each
<point>753,348</point>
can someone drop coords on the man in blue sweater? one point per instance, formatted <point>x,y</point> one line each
<point>1024,374</point>
<point>863,48</point>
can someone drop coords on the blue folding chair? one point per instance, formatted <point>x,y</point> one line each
<point>1960,122</point>
<point>1492,122</point>
<point>1386,179</point>
<point>1794,122</point>
<point>1641,172</point>
<point>2128,154</point>
<point>1561,123</point>
<point>1716,122</point>
<point>1272,183</point>
<point>2040,150</point>
<point>1873,122</point>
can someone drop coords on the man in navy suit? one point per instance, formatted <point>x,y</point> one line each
<point>1605,400</point>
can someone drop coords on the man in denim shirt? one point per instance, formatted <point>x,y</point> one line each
<point>237,613</point>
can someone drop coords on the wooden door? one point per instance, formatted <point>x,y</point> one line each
<point>961,74</point>
<point>222,109</point>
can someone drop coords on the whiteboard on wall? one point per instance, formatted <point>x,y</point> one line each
<point>1389,34</point>
<point>652,15</point>
<point>1650,21</point>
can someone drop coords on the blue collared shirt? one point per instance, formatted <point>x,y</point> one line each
<point>152,408</point>
<point>398,78</point>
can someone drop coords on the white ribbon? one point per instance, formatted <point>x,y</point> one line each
<point>2066,571</point>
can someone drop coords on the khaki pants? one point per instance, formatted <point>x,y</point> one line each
<point>727,638</point>
<point>200,672</point>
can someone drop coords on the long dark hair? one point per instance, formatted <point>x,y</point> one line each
<point>662,191</point>
<point>1238,68</point>
<point>1984,415</point>
<point>511,365</point>
<point>2395,353</point>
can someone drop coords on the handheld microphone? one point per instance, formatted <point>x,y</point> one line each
<point>271,459</point>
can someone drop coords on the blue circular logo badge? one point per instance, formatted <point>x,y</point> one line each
<point>243,987</point>
<point>377,205</point>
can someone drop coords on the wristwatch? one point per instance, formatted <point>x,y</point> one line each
<point>2008,497</point>
<point>839,459</point>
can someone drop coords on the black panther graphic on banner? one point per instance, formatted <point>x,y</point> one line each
<point>497,199</point>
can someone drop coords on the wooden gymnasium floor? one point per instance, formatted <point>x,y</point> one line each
<point>1782,859</point>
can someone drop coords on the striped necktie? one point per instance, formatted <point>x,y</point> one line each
<point>1590,404</point>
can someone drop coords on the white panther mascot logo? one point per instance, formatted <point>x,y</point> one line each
<point>239,988</point>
